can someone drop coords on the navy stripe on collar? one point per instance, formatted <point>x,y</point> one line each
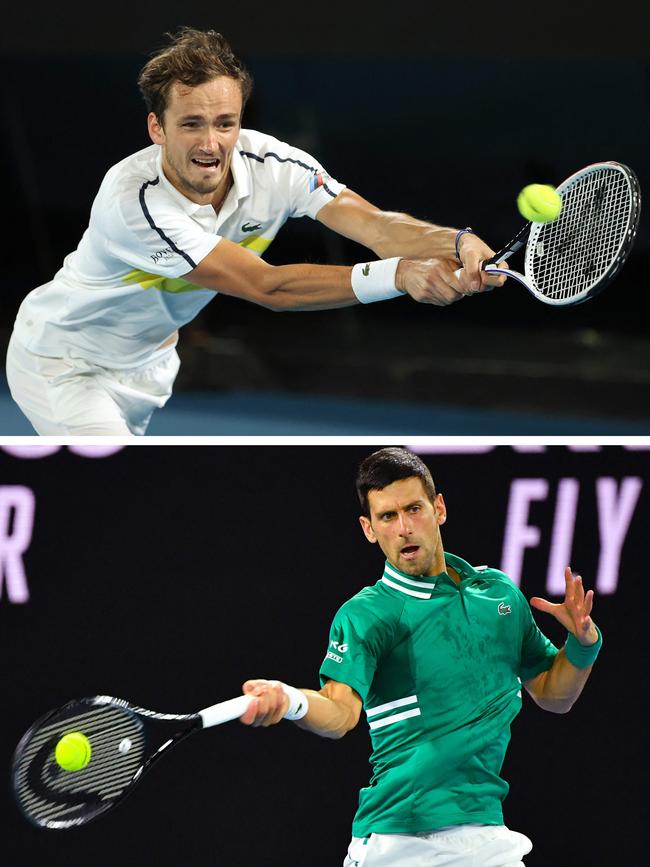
<point>150,220</point>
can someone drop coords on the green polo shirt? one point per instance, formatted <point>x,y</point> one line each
<point>439,667</point>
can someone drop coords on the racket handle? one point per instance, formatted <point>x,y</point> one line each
<point>225,711</point>
<point>504,254</point>
<point>489,269</point>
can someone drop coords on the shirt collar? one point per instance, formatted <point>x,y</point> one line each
<point>423,587</point>
<point>241,185</point>
<point>240,178</point>
<point>461,566</point>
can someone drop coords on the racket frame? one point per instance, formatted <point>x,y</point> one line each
<point>527,236</point>
<point>214,715</point>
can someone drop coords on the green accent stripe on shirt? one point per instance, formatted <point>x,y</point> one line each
<point>162,284</point>
<point>254,243</point>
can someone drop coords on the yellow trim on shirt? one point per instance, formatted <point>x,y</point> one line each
<point>254,243</point>
<point>163,284</point>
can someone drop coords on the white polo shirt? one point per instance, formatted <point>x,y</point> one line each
<point>120,294</point>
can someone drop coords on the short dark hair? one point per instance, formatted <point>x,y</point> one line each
<point>390,465</point>
<point>192,57</point>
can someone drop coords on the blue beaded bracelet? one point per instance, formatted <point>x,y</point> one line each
<point>578,654</point>
<point>459,235</point>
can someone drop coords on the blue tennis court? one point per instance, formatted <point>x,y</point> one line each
<point>256,413</point>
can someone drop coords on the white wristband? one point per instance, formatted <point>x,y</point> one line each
<point>375,281</point>
<point>298,701</point>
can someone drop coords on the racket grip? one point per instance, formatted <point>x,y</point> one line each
<point>459,271</point>
<point>487,267</point>
<point>225,711</point>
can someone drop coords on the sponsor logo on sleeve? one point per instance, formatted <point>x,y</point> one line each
<point>165,254</point>
<point>341,647</point>
<point>317,180</point>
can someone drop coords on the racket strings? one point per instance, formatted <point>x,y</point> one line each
<point>569,256</point>
<point>587,242</point>
<point>596,230</point>
<point>53,797</point>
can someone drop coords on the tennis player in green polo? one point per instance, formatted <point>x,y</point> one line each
<point>435,653</point>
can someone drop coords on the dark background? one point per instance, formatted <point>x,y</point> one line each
<point>169,575</point>
<point>442,111</point>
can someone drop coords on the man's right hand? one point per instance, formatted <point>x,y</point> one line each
<point>441,281</point>
<point>430,281</point>
<point>269,703</point>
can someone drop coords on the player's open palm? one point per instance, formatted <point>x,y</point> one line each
<point>574,613</point>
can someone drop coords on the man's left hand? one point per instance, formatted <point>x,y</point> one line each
<point>574,612</point>
<point>473,252</point>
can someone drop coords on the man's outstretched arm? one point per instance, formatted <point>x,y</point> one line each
<point>231,269</point>
<point>390,233</point>
<point>333,711</point>
<point>557,689</point>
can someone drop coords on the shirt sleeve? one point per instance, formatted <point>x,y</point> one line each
<point>537,651</point>
<point>151,233</point>
<point>307,185</point>
<point>353,650</point>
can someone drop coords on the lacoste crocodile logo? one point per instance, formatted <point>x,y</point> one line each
<point>504,609</point>
<point>365,270</point>
<point>251,227</point>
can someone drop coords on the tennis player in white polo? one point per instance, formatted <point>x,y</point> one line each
<point>93,351</point>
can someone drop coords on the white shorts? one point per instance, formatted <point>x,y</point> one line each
<point>457,846</point>
<point>79,398</point>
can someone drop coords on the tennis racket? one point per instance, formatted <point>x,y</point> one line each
<point>125,741</point>
<point>577,255</point>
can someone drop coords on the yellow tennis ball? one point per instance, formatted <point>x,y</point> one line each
<point>539,203</point>
<point>73,751</point>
